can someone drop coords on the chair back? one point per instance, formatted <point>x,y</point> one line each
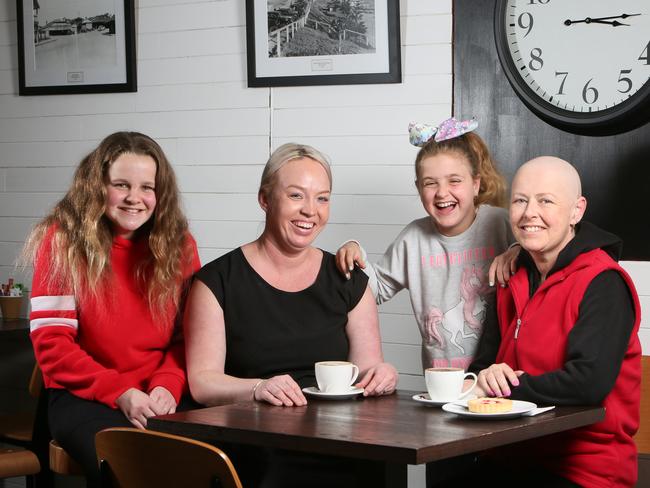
<point>642,437</point>
<point>133,458</point>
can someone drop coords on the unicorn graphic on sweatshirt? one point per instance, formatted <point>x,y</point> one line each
<point>469,310</point>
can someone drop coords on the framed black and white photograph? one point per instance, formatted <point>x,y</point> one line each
<point>76,46</point>
<point>322,42</point>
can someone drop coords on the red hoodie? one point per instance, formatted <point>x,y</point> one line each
<point>100,348</point>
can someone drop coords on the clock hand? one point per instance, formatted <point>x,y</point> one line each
<point>599,20</point>
<point>615,23</point>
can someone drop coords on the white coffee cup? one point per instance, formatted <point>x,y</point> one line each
<point>446,384</point>
<point>335,376</point>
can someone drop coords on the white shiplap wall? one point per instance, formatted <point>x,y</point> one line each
<point>192,98</point>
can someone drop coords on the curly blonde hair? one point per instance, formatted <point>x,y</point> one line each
<point>81,245</point>
<point>472,147</point>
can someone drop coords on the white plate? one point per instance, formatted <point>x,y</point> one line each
<point>313,391</point>
<point>518,409</point>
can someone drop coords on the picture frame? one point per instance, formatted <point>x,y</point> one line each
<point>68,46</point>
<point>322,42</point>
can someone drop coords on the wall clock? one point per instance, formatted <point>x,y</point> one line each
<point>581,65</point>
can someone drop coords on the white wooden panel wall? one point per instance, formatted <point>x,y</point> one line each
<point>192,97</point>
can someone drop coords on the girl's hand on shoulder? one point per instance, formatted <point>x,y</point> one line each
<point>496,380</point>
<point>163,400</point>
<point>503,266</point>
<point>380,379</point>
<point>136,406</point>
<point>346,257</point>
<point>281,391</point>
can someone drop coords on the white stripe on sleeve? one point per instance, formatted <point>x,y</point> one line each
<point>52,321</point>
<point>56,302</point>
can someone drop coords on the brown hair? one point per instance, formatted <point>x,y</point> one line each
<point>472,147</point>
<point>81,245</point>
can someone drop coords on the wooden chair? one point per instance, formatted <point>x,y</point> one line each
<point>28,431</point>
<point>19,462</point>
<point>133,458</point>
<point>61,462</point>
<point>642,437</point>
<point>18,428</point>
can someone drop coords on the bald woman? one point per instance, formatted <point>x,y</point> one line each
<point>564,332</point>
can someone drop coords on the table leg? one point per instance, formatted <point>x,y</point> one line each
<point>379,474</point>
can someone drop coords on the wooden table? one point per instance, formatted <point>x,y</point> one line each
<point>394,430</point>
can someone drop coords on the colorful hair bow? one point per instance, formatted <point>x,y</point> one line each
<point>420,134</point>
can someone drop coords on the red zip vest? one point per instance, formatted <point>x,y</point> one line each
<point>534,333</point>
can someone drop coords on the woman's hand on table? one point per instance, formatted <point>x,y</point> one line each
<point>281,391</point>
<point>347,256</point>
<point>380,379</point>
<point>496,380</point>
<point>136,406</point>
<point>503,266</point>
<point>163,400</point>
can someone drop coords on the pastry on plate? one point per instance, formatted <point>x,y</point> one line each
<point>489,405</point>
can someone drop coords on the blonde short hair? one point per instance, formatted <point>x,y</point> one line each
<point>285,153</point>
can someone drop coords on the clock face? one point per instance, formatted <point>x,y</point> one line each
<point>579,64</point>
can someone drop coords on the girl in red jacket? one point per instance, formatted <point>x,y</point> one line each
<point>110,264</point>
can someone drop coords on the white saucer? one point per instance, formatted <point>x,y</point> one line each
<point>426,400</point>
<point>314,391</point>
<point>518,409</point>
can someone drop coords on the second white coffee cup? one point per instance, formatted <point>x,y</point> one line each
<point>335,376</point>
<point>446,384</point>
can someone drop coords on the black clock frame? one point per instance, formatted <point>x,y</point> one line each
<point>627,115</point>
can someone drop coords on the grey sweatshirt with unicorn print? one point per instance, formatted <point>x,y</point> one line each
<point>447,282</point>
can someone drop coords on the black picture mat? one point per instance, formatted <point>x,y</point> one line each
<point>394,75</point>
<point>615,170</point>
<point>130,85</point>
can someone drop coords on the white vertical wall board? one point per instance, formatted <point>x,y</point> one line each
<point>426,59</point>
<point>16,229</point>
<point>219,179</point>
<point>225,234</point>
<point>26,205</point>
<point>399,329</point>
<point>248,149</point>
<point>8,12</point>
<point>228,207</point>
<point>9,53</point>
<point>44,180</point>
<point>426,29</point>
<point>191,16</point>
<point>368,150</point>
<point>414,90</point>
<point>199,96</point>
<point>9,251</point>
<point>189,123</point>
<point>220,40</point>
<point>51,153</point>
<point>378,180</point>
<point>199,69</point>
<point>424,7</point>
<point>644,338</point>
<point>59,105</point>
<point>407,357</point>
<point>7,30</point>
<point>30,129</point>
<point>640,273</point>
<point>374,120</point>
<point>8,81</point>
